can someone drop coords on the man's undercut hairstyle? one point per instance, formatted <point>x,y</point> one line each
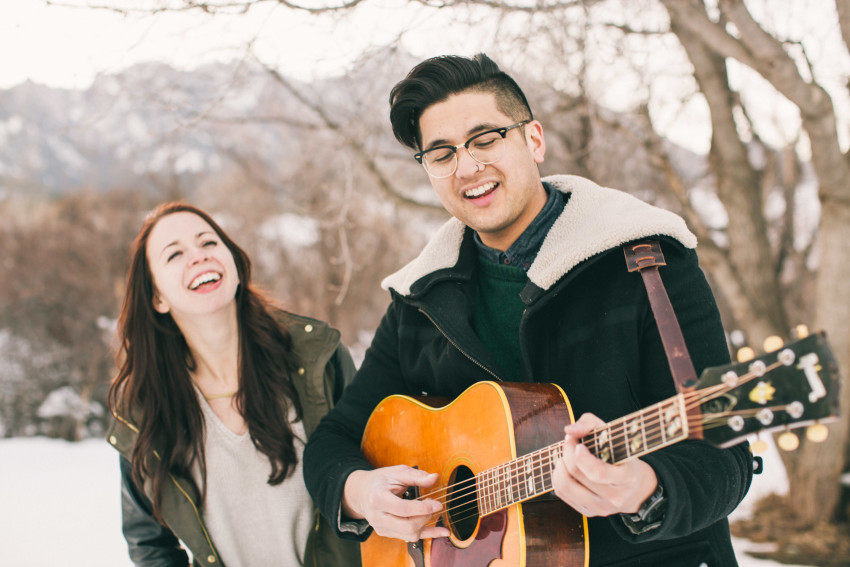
<point>436,79</point>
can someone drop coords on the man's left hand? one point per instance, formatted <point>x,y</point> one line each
<point>594,487</point>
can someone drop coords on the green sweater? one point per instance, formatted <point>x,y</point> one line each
<point>498,311</point>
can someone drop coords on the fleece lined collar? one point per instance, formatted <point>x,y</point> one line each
<point>594,220</point>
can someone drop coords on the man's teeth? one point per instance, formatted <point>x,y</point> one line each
<point>204,278</point>
<point>478,191</point>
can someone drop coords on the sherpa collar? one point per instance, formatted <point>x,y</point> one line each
<point>595,219</point>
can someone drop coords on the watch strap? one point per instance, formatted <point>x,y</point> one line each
<point>650,515</point>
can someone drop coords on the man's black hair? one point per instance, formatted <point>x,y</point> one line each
<point>436,79</point>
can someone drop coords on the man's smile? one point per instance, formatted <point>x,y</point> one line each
<point>480,191</point>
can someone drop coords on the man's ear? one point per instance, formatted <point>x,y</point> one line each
<point>159,304</point>
<point>537,143</point>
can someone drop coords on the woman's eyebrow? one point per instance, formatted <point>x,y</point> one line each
<point>176,242</point>
<point>170,244</point>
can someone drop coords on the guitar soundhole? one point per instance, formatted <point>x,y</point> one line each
<point>462,507</point>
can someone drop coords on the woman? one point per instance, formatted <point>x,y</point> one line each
<point>216,393</point>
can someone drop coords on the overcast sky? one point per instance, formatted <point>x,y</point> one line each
<point>68,46</point>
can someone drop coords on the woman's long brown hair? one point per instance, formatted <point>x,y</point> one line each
<point>153,388</point>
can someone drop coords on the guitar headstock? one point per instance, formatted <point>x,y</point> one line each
<point>793,386</point>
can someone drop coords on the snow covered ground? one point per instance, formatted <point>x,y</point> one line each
<point>60,504</point>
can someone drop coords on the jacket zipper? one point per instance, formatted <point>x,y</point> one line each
<point>463,352</point>
<point>133,428</point>
<point>316,528</point>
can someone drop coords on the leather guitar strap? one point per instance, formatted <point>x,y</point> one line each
<point>645,257</point>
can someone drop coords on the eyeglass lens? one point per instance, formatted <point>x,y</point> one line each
<point>486,148</point>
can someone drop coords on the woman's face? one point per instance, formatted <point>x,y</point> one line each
<point>193,270</point>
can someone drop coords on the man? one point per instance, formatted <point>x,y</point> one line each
<point>528,282</point>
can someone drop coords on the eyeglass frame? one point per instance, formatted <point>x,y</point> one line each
<point>503,132</point>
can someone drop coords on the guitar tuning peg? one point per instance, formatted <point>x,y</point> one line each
<point>745,354</point>
<point>788,441</point>
<point>758,446</point>
<point>773,343</point>
<point>801,331</point>
<point>817,433</point>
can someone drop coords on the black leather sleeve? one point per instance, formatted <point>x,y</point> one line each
<point>344,370</point>
<point>150,543</point>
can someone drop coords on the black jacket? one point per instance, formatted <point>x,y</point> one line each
<point>587,327</point>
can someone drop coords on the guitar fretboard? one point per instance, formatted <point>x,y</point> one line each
<point>631,436</point>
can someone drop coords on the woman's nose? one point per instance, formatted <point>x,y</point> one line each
<point>199,254</point>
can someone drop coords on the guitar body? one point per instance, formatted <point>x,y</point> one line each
<point>486,426</point>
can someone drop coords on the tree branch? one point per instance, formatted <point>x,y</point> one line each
<point>738,187</point>
<point>213,7</point>
<point>365,158</point>
<point>843,9</point>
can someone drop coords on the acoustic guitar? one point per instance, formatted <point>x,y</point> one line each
<point>496,445</point>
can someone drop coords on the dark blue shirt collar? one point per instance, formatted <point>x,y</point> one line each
<point>523,251</point>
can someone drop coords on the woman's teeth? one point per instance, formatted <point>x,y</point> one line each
<point>204,278</point>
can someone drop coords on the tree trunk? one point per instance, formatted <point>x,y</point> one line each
<point>751,261</point>
<point>813,471</point>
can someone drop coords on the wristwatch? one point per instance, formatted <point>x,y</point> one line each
<point>650,515</point>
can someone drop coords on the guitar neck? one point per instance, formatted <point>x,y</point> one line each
<point>628,437</point>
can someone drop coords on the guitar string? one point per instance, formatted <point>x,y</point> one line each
<point>714,420</point>
<point>590,439</point>
<point>470,508</point>
<point>707,421</point>
<point>536,461</point>
<point>609,434</point>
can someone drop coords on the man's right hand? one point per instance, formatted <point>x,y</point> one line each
<point>376,497</point>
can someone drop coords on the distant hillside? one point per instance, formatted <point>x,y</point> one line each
<point>153,124</point>
<point>153,128</point>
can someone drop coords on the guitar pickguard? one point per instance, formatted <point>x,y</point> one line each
<point>486,547</point>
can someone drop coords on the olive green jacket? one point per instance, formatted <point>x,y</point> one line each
<point>324,368</point>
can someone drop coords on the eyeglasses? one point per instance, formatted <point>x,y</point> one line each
<point>485,148</point>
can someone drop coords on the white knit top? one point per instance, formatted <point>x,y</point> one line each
<point>251,523</point>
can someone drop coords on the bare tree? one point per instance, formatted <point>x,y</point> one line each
<point>64,262</point>
<point>766,281</point>
<point>754,261</point>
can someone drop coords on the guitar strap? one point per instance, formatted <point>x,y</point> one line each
<point>645,257</point>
